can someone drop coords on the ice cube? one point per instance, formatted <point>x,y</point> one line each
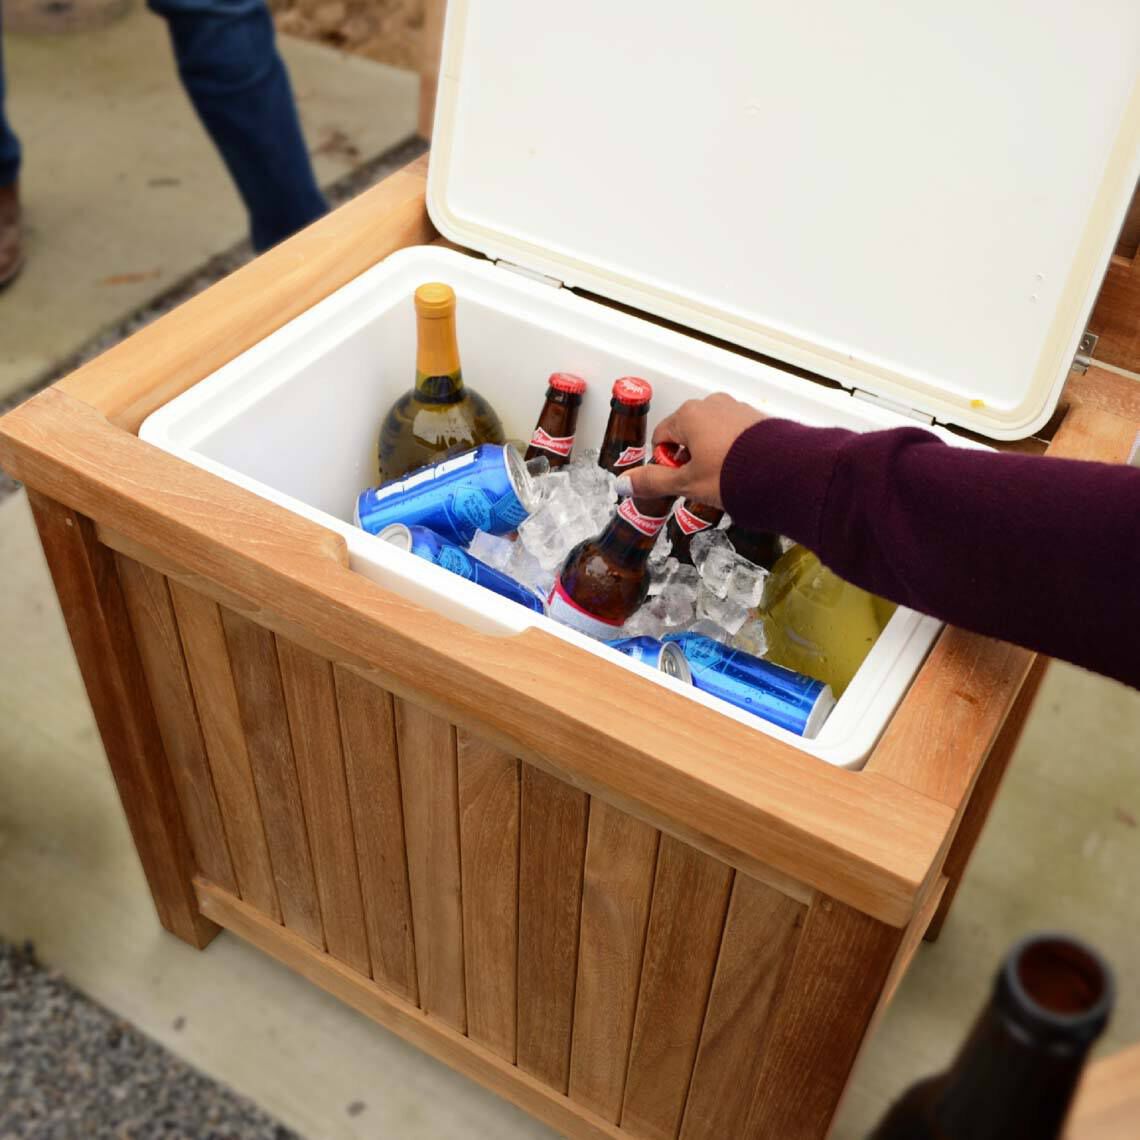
<point>662,549</point>
<point>746,583</point>
<point>710,629</point>
<point>723,611</point>
<point>661,573</point>
<point>527,569</point>
<point>687,576</point>
<point>496,551</point>
<point>716,567</point>
<point>704,542</point>
<point>644,623</point>
<point>590,480</point>
<point>542,536</point>
<point>752,637</point>
<point>676,604</point>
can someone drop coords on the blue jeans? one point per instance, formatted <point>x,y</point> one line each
<point>234,76</point>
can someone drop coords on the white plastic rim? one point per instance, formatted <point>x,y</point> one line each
<point>295,418</point>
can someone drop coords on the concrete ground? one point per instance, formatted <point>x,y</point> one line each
<point>1062,850</point>
<point>124,193</point>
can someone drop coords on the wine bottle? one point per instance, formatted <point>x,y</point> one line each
<point>440,416</point>
<point>1015,1076</point>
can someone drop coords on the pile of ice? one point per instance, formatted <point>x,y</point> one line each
<point>720,591</point>
<point>577,503</point>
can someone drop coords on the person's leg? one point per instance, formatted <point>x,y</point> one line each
<point>11,254</point>
<point>235,78</point>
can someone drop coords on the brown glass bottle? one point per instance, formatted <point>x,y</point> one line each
<point>604,580</point>
<point>558,421</point>
<point>440,416</point>
<point>689,518</point>
<point>623,445</point>
<point>1015,1076</point>
<point>758,546</point>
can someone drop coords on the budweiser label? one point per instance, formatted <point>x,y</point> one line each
<point>563,608</point>
<point>687,521</point>
<point>555,444</point>
<point>647,524</point>
<point>630,456</point>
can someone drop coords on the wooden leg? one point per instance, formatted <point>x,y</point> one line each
<point>841,964</point>
<point>431,46</point>
<point>985,791</point>
<point>87,582</point>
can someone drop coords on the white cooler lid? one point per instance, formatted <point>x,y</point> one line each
<point>916,200</point>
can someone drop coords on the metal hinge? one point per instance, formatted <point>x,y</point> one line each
<point>1085,350</point>
<point>532,274</point>
<point>892,406</point>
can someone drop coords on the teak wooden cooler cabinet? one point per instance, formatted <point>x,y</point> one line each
<point>685,931</point>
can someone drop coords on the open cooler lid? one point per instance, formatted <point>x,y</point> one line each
<point>918,201</point>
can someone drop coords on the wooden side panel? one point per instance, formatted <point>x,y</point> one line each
<point>840,967</point>
<point>552,847</point>
<point>307,683</point>
<point>156,634</point>
<point>617,886</point>
<point>261,704</point>
<point>755,958</point>
<point>489,846</point>
<point>368,732</point>
<point>690,898</point>
<point>1116,318</point>
<point>91,597</point>
<point>208,663</point>
<point>429,781</point>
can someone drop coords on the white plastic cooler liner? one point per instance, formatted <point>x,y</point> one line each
<point>295,419</point>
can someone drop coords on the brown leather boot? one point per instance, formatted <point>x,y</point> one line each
<point>11,246</point>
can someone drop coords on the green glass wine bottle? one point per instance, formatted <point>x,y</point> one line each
<point>440,416</point>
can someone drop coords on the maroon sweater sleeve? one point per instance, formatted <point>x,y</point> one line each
<point>1041,552</point>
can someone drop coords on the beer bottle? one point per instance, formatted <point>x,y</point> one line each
<point>1015,1076</point>
<point>758,546</point>
<point>689,518</point>
<point>604,579</point>
<point>558,420</point>
<point>440,416</point>
<point>623,445</point>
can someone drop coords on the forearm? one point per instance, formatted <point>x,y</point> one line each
<point>1040,552</point>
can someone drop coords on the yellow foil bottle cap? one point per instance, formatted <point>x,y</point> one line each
<point>434,299</point>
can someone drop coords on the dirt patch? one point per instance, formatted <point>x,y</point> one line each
<point>388,31</point>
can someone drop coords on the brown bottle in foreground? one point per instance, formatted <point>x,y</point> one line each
<point>623,445</point>
<point>439,416</point>
<point>1015,1076</point>
<point>689,518</point>
<point>604,579</point>
<point>558,421</point>
<point>759,546</point>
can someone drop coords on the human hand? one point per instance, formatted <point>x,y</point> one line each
<point>707,429</point>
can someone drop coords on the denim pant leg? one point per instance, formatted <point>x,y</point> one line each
<point>9,144</point>
<point>235,78</point>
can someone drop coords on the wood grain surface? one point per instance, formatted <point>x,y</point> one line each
<point>1107,1105</point>
<point>489,850</point>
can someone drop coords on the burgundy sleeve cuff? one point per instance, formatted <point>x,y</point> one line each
<point>777,475</point>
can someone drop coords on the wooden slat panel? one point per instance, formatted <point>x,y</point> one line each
<point>425,1032</point>
<point>552,846</point>
<point>368,732</point>
<point>840,967</point>
<point>310,698</point>
<point>208,663</point>
<point>261,704</point>
<point>1116,318</point>
<point>755,957</point>
<point>1107,1104</point>
<point>690,897</point>
<point>489,845</point>
<point>429,782</point>
<point>91,597</point>
<point>617,886</point>
<point>156,634</point>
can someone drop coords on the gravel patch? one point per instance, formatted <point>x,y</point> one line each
<point>219,266</point>
<point>70,1070</point>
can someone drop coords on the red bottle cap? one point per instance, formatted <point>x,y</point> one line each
<point>567,382</point>
<point>670,455</point>
<point>632,390</point>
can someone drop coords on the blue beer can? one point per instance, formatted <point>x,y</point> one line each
<point>429,546</point>
<point>785,698</point>
<point>487,488</point>
<point>669,658</point>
